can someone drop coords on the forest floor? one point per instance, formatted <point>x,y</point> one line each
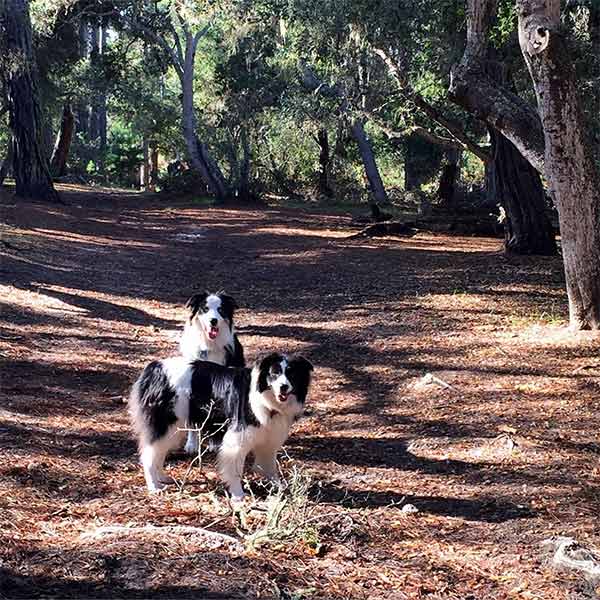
<point>498,451</point>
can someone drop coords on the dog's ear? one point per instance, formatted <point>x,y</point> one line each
<point>263,364</point>
<point>229,300</point>
<point>302,362</point>
<point>195,303</point>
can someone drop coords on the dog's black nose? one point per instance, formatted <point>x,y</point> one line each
<point>283,387</point>
<point>214,322</point>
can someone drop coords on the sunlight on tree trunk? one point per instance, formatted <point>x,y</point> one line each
<point>570,169</point>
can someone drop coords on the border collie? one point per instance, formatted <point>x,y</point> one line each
<point>209,335</point>
<point>241,411</point>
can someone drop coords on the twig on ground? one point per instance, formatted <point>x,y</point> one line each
<point>429,378</point>
<point>121,531</point>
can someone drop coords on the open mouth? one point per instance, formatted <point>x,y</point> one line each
<point>283,396</point>
<point>213,332</point>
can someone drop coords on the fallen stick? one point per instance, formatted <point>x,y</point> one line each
<point>429,378</point>
<point>121,531</point>
<point>568,554</point>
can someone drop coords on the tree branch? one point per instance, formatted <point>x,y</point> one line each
<point>473,89</point>
<point>393,134</point>
<point>162,42</point>
<point>455,130</point>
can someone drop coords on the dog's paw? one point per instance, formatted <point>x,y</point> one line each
<point>165,480</point>
<point>156,488</point>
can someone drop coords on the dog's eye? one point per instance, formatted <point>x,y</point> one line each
<point>206,308</point>
<point>276,370</point>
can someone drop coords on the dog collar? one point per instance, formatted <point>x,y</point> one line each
<point>203,355</point>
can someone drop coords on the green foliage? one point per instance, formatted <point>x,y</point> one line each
<point>249,99</point>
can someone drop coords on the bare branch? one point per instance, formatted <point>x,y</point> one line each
<point>161,41</point>
<point>422,132</point>
<point>454,129</point>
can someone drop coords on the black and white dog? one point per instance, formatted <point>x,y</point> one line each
<point>241,411</point>
<point>209,335</point>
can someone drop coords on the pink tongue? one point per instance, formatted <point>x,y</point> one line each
<point>213,333</point>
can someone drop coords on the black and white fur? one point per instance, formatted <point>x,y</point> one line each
<point>209,334</point>
<point>241,411</point>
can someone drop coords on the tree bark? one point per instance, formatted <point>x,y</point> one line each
<point>518,188</point>
<point>520,192</point>
<point>368,158</point>
<point>60,155</point>
<point>31,172</point>
<point>571,173</point>
<point>314,84</point>
<point>243,192</point>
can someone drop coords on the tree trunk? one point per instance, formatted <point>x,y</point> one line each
<point>244,193</point>
<point>324,162</point>
<point>450,172</point>
<point>82,113</point>
<point>145,166</point>
<point>198,151</point>
<point>518,188</point>
<point>58,163</point>
<point>6,163</point>
<point>412,179</point>
<point>369,163</point>
<point>520,192</point>
<point>31,171</point>
<point>153,166</point>
<point>570,169</point>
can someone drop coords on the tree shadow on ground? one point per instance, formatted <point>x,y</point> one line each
<point>115,446</point>
<point>62,389</point>
<point>491,510</point>
<point>14,585</point>
<point>392,452</point>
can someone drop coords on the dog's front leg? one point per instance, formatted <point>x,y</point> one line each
<point>265,463</point>
<point>232,456</point>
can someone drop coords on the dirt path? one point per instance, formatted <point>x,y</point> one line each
<point>501,457</point>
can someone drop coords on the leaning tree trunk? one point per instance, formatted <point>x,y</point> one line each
<point>31,172</point>
<point>369,163</point>
<point>198,152</point>
<point>58,163</point>
<point>527,229</point>
<point>569,167</point>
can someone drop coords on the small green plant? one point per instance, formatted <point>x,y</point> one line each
<point>288,515</point>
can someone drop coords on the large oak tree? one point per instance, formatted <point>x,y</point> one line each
<point>30,165</point>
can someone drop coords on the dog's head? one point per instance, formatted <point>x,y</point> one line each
<point>212,312</point>
<point>286,378</point>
